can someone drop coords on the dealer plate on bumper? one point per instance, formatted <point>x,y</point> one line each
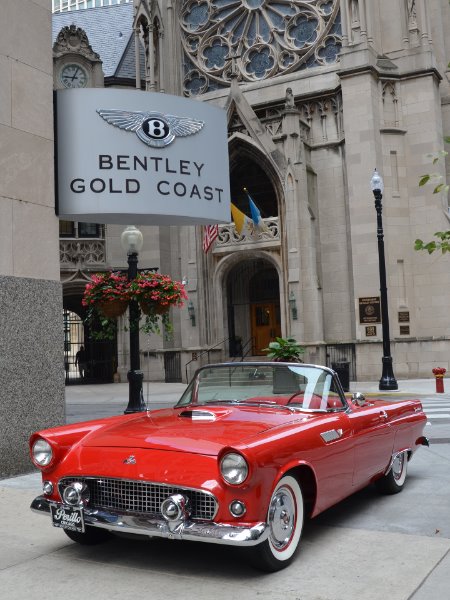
<point>67,517</point>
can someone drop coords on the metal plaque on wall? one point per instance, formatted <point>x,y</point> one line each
<point>127,156</point>
<point>370,310</point>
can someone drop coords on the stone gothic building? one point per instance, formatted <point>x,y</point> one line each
<point>318,93</point>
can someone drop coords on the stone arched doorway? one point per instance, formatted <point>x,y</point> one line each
<point>253,306</point>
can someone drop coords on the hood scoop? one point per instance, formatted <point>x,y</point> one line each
<point>198,415</point>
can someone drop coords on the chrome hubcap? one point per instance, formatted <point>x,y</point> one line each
<point>282,516</point>
<point>397,466</point>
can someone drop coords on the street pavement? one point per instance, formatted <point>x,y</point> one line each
<point>368,547</point>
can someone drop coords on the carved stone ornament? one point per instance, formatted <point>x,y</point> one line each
<point>72,39</point>
<point>255,39</point>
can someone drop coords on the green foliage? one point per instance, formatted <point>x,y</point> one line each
<point>154,322</point>
<point>442,243</point>
<point>443,237</point>
<point>435,178</point>
<point>285,349</point>
<point>101,327</point>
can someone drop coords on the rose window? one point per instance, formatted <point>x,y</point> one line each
<point>255,39</point>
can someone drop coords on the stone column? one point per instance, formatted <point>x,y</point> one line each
<point>137,48</point>
<point>363,153</point>
<point>162,70</point>
<point>31,316</point>
<point>151,56</point>
<point>301,230</point>
<point>344,23</point>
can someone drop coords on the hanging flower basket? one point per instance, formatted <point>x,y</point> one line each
<point>153,308</point>
<point>105,298</point>
<point>113,308</point>
<point>106,288</point>
<point>108,295</point>
<point>157,292</point>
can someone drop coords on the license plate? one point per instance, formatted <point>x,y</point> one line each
<point>68,517</point>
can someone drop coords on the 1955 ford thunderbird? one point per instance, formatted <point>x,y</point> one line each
<point>247,453</point>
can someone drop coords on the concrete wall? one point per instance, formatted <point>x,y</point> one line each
<point>31,333</point>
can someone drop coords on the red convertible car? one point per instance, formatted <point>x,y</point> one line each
<point>248,452</point>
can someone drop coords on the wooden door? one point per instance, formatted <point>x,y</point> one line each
<point>266,325</point>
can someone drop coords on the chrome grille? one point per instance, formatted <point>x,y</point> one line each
<point>140,496</point>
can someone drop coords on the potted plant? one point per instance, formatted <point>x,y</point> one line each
<point>156,293</point>
<point>285,350</point>
<point>285,381</point>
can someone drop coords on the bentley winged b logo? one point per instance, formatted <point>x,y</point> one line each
<point>153,128</point>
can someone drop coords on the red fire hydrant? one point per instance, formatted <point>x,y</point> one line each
<point>439,373</point>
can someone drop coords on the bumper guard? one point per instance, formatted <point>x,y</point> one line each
<point>155,526</point>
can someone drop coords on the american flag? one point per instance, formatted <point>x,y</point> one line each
<point>210,232</point>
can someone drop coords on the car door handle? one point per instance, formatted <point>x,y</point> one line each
<point>383,415</point>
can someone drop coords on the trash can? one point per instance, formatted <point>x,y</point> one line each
<point>342,368</point>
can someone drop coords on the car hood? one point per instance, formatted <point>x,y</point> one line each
<point>202,430</point>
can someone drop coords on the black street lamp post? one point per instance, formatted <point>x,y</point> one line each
<point>387,381</point>
<point>132,240</point>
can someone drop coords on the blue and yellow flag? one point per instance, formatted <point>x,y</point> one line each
<point>241,221</point>
<point>258,222</point>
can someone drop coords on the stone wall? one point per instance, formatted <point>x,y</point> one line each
<point>31,366</point>
<point>31,332</point>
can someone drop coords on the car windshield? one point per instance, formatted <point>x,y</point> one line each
<point>305,387</point>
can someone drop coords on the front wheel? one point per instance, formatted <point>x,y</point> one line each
<point>91,536</point>
<point>393,482</point>
<point>285,521</point>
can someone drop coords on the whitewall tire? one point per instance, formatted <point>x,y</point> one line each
<point>285,522</point>
<point>393,482</point>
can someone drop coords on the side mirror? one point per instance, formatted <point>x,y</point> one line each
<point>358,399</point>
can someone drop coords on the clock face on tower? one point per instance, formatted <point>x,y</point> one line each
<point>73,76</point>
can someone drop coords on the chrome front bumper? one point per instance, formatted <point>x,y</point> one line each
<point>152,525</point>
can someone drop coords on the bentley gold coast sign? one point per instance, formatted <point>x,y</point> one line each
<point>126,156</point>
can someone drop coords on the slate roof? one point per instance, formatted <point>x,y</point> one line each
<point>110,33</point>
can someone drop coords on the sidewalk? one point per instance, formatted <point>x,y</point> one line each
<point>411,387</point>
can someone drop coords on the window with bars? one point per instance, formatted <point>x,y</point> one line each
<point>71,229</point>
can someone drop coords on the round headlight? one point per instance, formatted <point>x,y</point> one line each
<point>234,468</point>
<point>42,453</point>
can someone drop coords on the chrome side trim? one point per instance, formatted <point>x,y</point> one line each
<point>394,456</point>
<point>152,525</point>
<point>332,435</point>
